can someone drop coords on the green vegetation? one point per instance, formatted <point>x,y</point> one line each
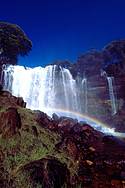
<point>13,42</point>
<point>25,147</point>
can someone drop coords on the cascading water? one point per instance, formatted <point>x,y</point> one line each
<point>43,89</point>
<point>52,89</point>
<point>84,87</point>
<point>112,95</point>
<point>70,90</point>
<point>64,86</point>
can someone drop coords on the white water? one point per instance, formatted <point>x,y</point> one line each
<point>51,88</point>
<point>112,95</point>
<point>43,88</point>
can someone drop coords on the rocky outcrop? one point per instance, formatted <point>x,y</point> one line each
<point>93,154</point>
<point>7,99</point>
<point>10,122</point>
<point>36,150</point>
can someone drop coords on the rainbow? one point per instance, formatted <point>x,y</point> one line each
<point>98,125</point>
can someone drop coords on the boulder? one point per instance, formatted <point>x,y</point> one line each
<point>48,172</point>
<point>10,122</point>
<point>45,121</point>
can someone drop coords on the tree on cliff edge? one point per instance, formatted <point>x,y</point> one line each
<point>13,42</point>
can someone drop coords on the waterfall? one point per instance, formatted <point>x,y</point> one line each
<point>112,95</point>
<point>73,96</point>
<point>44,89</point>
<point>53,89</point>
<point>84,87</point>
<point>64,82</point>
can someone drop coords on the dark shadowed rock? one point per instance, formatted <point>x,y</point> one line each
<point>47,172</point>
<point>1,87</point>
<point>34,130</point>
<point>55,117</point>
<point>21,102</point>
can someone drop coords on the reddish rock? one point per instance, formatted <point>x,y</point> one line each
<point>87,128</point>
<point>116,184</point>
<point>46,121</point>
<point>65,126</point>
<point>6,99</point>
<point>10,122</point>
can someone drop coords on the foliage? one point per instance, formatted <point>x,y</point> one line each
<point>13,42</point>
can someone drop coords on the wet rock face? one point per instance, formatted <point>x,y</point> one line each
<point>47,172</point>
<point>10,122</point>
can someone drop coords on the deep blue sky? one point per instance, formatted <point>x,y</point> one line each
<point>64,29</point>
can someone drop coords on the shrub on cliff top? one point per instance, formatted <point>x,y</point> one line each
<point>13,42</point>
